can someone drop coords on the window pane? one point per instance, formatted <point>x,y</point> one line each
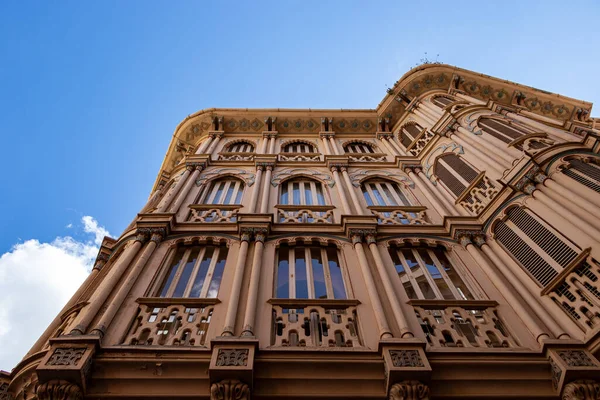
<point>307,194</point>
<point>187,272</point>
<point>367,197</point>
<point>400,194</point>
<point>173,269</point>
<point>296,193</point>
<point>282,291</point>
<point>318,273</point>
<point>301,281</point>
<point>377,195</point>
<point>436,275</point>
<point>219,192</point>
<point>213,289</point>
<point>320,196</point>
<point>229,192</point>
<point>460,286</point>
<point>418,274</point>
<point>392,201</point>
<point>410,292</point>
<point>238,197</point>
<point>284,193</point>
<point>202,271</point>
<point>337,279</point>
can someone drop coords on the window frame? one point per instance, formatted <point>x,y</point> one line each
<point>410,198</point>
<point>230,147</point>
<point>302,181</point>
<point>298,146</point>
<point>353,145</point>
<point>209,191</point>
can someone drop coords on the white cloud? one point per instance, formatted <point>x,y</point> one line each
<point>36,280</point>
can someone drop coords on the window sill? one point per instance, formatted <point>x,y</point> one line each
<point>467,304</point>
<point>184,301</point>
<point>325,303</point>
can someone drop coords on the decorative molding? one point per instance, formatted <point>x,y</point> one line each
<point>556,373</point>
<point>406,358</point>
<point>363,174</point>
<point>232,357</point>
<point>58,390</point>
<point>576,358</point>
<point>247,176</point>
<point>438,151</point>
<point>409,390</point>
<point>66,356</point>
<point>290,172</point>
<point>4,393</point>
<point>582,390</point>
<point>229,389</point>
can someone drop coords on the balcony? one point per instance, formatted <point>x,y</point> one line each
<point>236,156</point>
<point>478,195</point>
<point>171,322</point>
<point>299,157</point>
<point>304,214</point>
<point>576,291</point>
<point>462,323</point>
<point>400,215</point>
<point>367,157</point>
<point>314,323</point>
<point>417,146</point>
<point>213,212</point>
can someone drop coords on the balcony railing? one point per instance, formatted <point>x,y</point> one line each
<point>236,156</point>
<point>420,142</point>
<point>214,212</point>
<point>462,323</point>
<point>314,323</point>
<point>478,195</point>
<point>577,292</point>
<point>304,214</point>
<point>367,157</point>
<point>171,322</point>
<point>400,215</point>
<point>299,157</point>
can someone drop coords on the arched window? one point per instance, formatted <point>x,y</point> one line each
<point>223,191</point>
<point>358,147</point>
<point>408,133</point>
<point>454,173</point>
<point>540,250</point>
<point>442,101</point>
<point>302,191</point>
<point>241,147</point>
<point>380,192</point>
<point>501,130</point>
<point>194,271</point>
<point>427,273</point>
<point>586,173</point>
<point>299,147</point>
<point>309,272</point>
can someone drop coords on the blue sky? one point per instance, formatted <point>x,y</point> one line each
<point>90,92</point>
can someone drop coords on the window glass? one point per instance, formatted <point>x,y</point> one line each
<point>282,290</point>
<point>301,280</point>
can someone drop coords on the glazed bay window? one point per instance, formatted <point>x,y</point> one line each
<point>426,273</point>
<point>194,271</point>
<point>309,272</point>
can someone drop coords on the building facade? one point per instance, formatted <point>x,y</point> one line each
<point>443,245</point>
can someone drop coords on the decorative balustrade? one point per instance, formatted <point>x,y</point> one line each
<point>314,323</point>
<point>462,323</point>
<point>400,215</point>
<point>237,156</point>
<point>171,322</point>
<point>304,214</point>
<point>478,195</point>
<point>367,157</point>
<point>417,146</point>
<point>577,291</point>
<point>299,157</point>
<point>214,212</point>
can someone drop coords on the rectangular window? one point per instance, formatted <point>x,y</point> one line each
<point>195,271</point>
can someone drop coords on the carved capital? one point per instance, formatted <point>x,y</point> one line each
<point>582,390</point>
<point>466,237</point>
<point>141,237</point>
<point>246,234</point>
<point>409,390</point>
<point>359,235</point>
<point>58,390</point>
<point>154,234</point>
<point>229,389</point>
<point>100,261</point>
<point>260,234</point>
<point>371,238</point>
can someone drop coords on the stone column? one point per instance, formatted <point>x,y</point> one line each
<point>236,287</point>
<point>325,139</point>
<point>250,314</point>
<point>117,301</point>
<point>87,314</point>
<point>264,202</point>
<point>338,184</point>
<point>429,120</point>
<point>385,144</point>
<point>434,116</point>
<point>441,194</point>
<point>204,145</point>
<point>584,209</point>
<point>465,239</point>
<point>186,189</point>
<point>164,204</point>
<point>405,331</point>
<point>434,200</point>
<point>334,146</point>
<point>263,145</point>
<point>500,153</point>
<point>350,187</point>
<point>216,137</point>
<point>272,138</point>
<point>357,238</point>
<point>581,190</point>
<point>533,301</point>
<point>256,190</point>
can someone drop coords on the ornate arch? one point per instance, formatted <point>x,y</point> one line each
<point>208,176</point>
<point>293,240</point>
<point>561,160</point>
<point>214,239</point>
<point>437,153</point>
<point>285,142</point>
<point>231,142</point>
<point>368,143</point>
<point>358,177</point>
<point>288,173</point>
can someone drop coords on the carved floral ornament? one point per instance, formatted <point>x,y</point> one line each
<point>232,357</point>
<point>58,390</point>
<point>290,172</point>
<point>409,390</point>
<point>229,389</point>
<point>582,390</point>
<point>247,176</point>
<point>359,176</point>
<point>406,358</point>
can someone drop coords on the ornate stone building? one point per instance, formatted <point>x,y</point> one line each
<point>444,245</point>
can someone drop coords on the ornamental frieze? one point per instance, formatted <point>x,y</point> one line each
<point>66,356</point>
<point>406,358</point>
<point>232,357</point>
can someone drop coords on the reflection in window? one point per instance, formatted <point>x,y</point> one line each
<point>241,147</point>
<point>309,272</point>
<point>195,271</point>
<point>223,191</point>
<point>426,273</point>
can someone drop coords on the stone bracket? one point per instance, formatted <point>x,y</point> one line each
<point>69,359</point>
<point>404,359</point>
<point>233,359</point>
<point>571,363</point>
